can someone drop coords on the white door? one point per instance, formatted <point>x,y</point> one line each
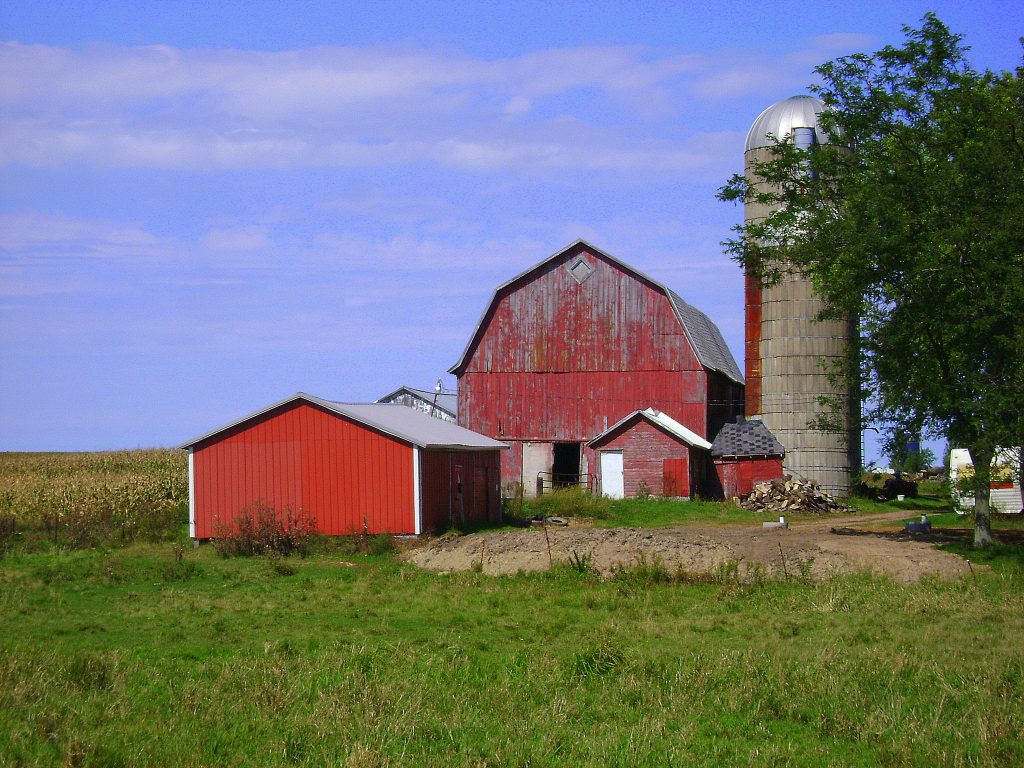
<point>612,484</point>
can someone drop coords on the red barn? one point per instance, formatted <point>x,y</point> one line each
<point>575,344</point>
<point>378,468</point>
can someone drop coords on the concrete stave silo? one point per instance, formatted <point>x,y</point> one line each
<point>788,351</point>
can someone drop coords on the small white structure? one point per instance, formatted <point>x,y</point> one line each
<point>1004,484</point>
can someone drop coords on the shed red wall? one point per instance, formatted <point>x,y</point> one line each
<point>560,361</point>
<point>443,506</point>
<point>644,451</point>
<point>737,477</point>
<point>340,471</point>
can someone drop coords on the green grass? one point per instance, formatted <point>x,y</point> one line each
<point>132,657</point>
<point>929,504</point>
<point>651,512</point>
<point>655,512</point>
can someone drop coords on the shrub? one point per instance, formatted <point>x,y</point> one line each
<point>259,529</point>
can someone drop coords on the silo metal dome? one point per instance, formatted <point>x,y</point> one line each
<point>781,118</point>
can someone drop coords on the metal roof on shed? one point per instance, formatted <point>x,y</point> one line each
<point>662,420</point>
<point>402,422</point>
<point>704,336</point>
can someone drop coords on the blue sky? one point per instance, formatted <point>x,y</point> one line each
<point>205,207</point>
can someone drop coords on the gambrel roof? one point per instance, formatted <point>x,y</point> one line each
<point>704,337</point>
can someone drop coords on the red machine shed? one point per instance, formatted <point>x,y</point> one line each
<point>650,451</point>
<point>353,467</point>
<point>575,344</point>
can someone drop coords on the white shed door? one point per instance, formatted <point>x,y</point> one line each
<point>611,474</point>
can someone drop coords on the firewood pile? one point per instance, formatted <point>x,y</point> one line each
<point>790,495</point>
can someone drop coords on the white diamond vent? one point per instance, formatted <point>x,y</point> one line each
<point>580,270</point>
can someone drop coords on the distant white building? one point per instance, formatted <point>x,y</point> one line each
<point>441,405</point>
<point>1004,485</point>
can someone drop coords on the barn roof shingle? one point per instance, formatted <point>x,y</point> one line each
<point>746,438</point>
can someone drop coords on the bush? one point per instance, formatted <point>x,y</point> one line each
<point>259,529</point>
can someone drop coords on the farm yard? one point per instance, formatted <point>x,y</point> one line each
<point>136,649</point>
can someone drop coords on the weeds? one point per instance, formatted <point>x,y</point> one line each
<point>569,502</point>
<point>259,529</point>
<point>643,572</point>
<point>583,564</point>
<point>278,566</point>
<point>598,660</point>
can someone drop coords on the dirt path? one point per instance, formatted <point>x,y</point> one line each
<point>818,548</point>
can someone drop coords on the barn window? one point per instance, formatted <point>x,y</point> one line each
<point>580,270</point>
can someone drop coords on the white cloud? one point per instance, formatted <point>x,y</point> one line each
<point>572,108</point>
<point>31,236</point>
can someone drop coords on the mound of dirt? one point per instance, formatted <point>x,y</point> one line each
<point>815,550</point>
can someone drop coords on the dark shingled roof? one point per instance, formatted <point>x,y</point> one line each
<point>746,438</point>
<point>707,340</point>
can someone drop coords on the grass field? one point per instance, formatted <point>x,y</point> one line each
<point>160,655</point>
<point>134,657</point>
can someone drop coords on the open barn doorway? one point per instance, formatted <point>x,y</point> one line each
<point>565,469</point>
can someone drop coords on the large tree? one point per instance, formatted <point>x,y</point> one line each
<point>909,218</point>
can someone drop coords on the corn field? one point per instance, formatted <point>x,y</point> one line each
<point>87,499</point>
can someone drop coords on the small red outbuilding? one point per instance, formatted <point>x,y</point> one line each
<point>354,467</point>
<point>648,451</point>
<point>745,452</point>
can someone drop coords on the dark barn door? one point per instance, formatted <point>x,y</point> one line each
<point>565,470</point>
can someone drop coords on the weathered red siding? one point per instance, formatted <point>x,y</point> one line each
<point>342,472</point>
<point>443,504</point>
<point>560,361</point>
<point>737,477</point>
<point>645,449</point>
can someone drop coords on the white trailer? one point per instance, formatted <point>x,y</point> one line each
<point>1004,484</point>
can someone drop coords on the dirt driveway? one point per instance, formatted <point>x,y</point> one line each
<point>818,548</point>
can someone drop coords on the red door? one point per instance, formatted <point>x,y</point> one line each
<point>675,478</point>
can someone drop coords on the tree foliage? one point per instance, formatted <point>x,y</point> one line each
<point>909,219</point>
<point>905,454</point>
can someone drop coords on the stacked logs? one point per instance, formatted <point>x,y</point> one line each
<point>793,496</point>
